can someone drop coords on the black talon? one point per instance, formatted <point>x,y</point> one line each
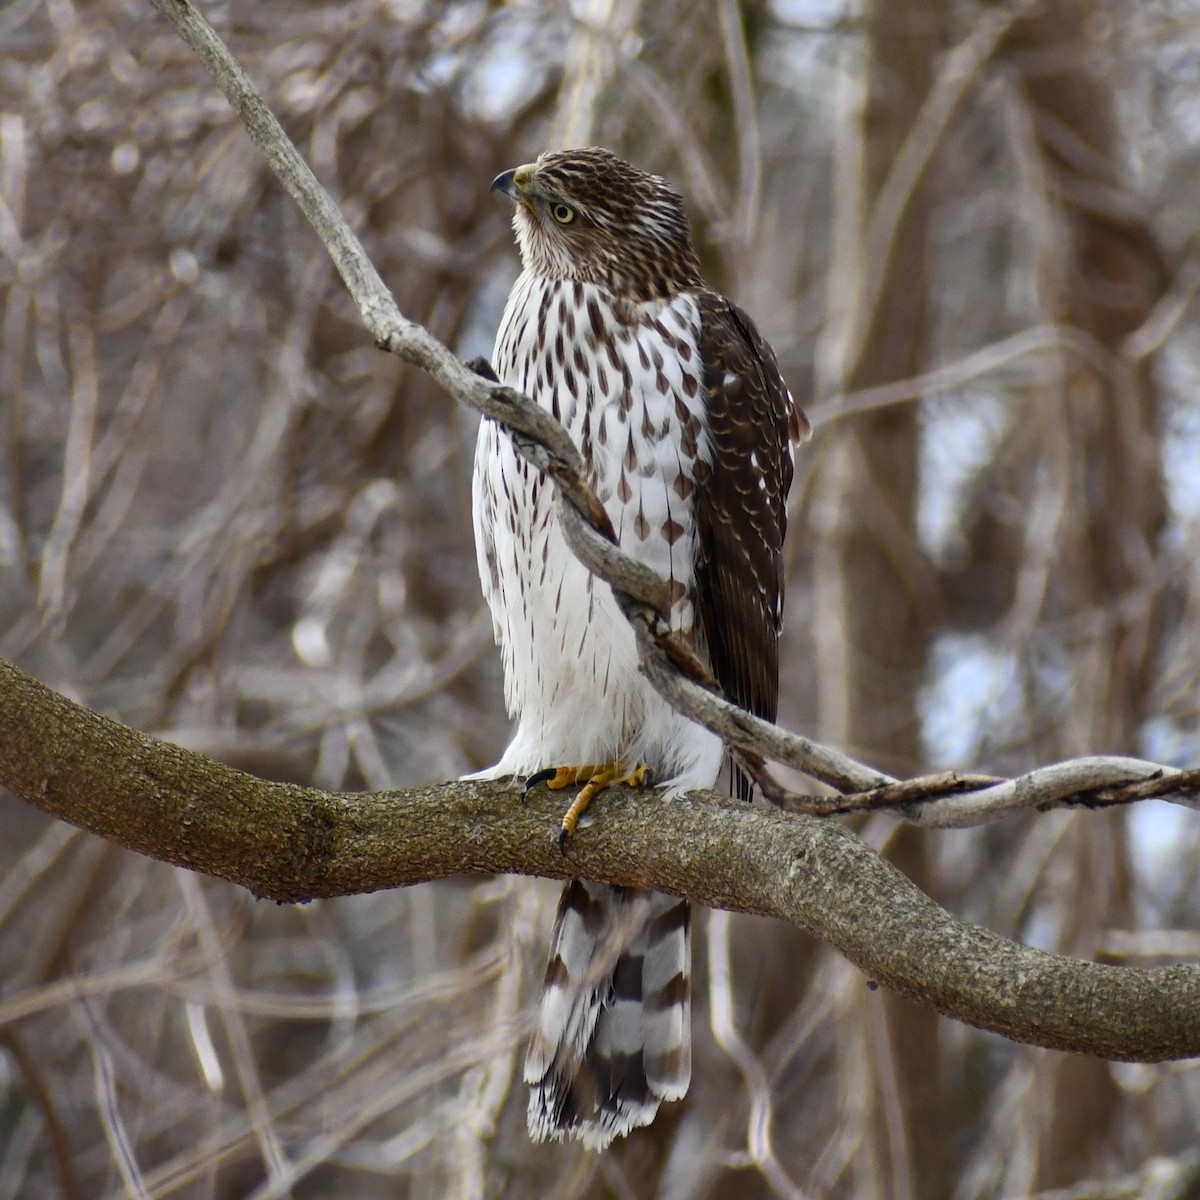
<point>531,781</point>
<point>563,838</point>
<point>483,368</point>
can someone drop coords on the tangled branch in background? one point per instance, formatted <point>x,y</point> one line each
<point>945,800</point>
<point>295,843</point>
<point>228,520</point>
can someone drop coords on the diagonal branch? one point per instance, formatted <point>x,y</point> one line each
<point>677,675</point>
<point>291,844</point>
<point>294,843</point>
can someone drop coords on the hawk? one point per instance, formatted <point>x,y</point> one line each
<point>686,429</point>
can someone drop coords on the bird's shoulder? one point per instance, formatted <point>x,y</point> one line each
<point>742,371</point>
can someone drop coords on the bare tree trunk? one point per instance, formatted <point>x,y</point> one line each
<point>882,602</point>
<point>1099,271</point>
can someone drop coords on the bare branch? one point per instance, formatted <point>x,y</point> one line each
<point>950,800</point>
<point>960,68</point>
<point>292,843</point>
<point>1074,782</point>
<point>678,676</point>
<point>988,359</point>
<point>737,57</point>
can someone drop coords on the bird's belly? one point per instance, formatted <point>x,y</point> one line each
<point>570,660</point>
<point>633,408</point>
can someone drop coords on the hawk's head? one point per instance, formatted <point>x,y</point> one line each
<point>588,215</point>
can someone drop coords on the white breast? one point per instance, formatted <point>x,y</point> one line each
<point>628,386</point>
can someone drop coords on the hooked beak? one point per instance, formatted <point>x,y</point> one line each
<point>505,182</point>
<point>515,183</point>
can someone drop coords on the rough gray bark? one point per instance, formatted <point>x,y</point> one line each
<point>291,844</point>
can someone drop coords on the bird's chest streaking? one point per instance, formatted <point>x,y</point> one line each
<point>627,382</point>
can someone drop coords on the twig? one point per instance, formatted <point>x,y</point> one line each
<point>891,795</point>
<point>291,844</point>
<point>1064,784</point>
<point>295,843</point>
<point>643,596</point>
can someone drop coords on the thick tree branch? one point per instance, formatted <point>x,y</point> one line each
<point>674,672</point>
<point>678,676</point>
<point>291,843</point>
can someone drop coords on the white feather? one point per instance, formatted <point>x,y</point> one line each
<point>570,660</point>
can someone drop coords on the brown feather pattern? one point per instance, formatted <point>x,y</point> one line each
<point>741,510</point>
<point>683,420</point>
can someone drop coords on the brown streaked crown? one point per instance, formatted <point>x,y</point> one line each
<point>627,230</point>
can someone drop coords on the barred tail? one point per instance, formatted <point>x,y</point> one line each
<point>613,1035</point>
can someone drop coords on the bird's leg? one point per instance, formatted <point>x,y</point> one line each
<point>595,777</point>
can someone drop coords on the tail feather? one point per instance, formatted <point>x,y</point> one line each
<point>613,1032</point>
<point>668,1003</point>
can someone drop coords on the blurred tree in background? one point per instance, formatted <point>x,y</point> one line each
<point>968,228</point>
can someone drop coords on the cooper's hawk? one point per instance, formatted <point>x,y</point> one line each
<point>685,426</point>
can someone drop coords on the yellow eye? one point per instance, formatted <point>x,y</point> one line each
<point>564,214</point>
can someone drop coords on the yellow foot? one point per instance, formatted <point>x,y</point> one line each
<point>595,777</point>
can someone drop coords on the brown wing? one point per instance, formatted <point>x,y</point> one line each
<point>741,507</point>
